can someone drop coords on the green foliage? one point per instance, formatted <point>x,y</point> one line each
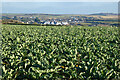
<point>36,52</point>
<point>37,19</point>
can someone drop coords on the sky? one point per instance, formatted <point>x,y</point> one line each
<point>60,0</point>
<point>14,7</point>
<point>60,7</point>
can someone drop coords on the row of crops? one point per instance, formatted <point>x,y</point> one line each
<point>55,52</point>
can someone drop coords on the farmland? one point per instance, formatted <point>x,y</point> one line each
<point>36,52</point>
<point>100,19</point>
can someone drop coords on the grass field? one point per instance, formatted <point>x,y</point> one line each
<point>104,17</point>
<point>36,52</point>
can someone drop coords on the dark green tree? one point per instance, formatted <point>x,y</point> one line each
<point>37,19</point>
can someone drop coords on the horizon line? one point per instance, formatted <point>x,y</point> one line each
<point>62,13</point>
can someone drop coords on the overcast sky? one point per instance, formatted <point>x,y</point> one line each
<point>60,0</point>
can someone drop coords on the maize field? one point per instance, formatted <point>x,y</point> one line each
<point>60,52</point>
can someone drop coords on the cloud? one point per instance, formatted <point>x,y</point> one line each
<point>60,0</point>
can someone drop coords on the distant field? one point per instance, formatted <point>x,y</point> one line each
<point>104,17</point>
<point>40,15</point>
<point>45,16</point>
<point>110,17</point>
<point>60,15</point>
<point>43,52</point>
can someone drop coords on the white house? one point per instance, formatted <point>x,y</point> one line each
<point>64,23</point>
<point>47,22</point>
<point>52,23</point>
<point>58,23</point>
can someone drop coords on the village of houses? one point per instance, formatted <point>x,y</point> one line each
<point>71,20</point>
<point>44,21</point>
